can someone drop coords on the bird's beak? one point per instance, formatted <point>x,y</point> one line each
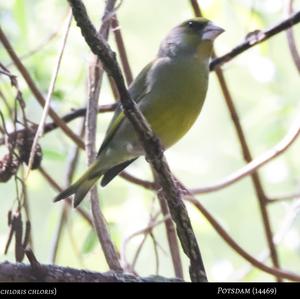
<point>211,32</point>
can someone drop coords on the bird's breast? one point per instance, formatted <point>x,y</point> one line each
<point>176,100</point>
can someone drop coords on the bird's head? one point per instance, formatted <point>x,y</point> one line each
<point>194,36</point>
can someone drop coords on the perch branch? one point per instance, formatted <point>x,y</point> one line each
<point>18,272</point>
<point>169,224</point>
<point>151,144</point>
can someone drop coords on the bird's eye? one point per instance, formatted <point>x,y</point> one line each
<point>191,24</point>
<point>196,25</point>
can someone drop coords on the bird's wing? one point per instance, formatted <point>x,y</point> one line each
<point>137,90</point>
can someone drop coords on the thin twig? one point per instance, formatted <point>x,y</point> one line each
<point>155,245</point>
<point>143,183</point>
<point>255,39</point>
<point>35,91</point>
<point>284,228</point>
<point>95,80</point>
<point>56,186</point>
<point>171,236</point>
<point>71,167</point>
<point>40,129</point>
<point>283,197</point>
<point>121,49</point>
<point>44,43</point>
<point>73,239</point>
<point>145,231</point>
<point>49,127</point>
<point>279,273</point>
<point>26,208</point>
<point>255,164</point>
<point>58,233</point>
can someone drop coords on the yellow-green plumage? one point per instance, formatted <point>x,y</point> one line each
<point>170,92</point>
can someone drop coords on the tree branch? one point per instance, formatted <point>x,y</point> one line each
<point>49,127</point>
<point>151,144</point>
<point>121,49</point>
<point>255,164</point>
<point>18,272</point>
<point>255,39</point>
<point>169,224</point>
<point>95,81</point>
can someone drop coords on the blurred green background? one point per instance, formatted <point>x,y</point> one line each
<point>265,87</point>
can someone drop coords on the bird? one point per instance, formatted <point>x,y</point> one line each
<point>169,91</point>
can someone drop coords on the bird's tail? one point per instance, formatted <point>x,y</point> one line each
<point>81,187</point>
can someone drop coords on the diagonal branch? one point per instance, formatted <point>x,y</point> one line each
<point>40,129</point>
<point>255,39</point>
<point>121,49</point>
<point>169,224</point>
<point>151,144</point>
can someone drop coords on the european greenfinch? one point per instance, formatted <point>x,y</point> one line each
<point>169,91</point>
